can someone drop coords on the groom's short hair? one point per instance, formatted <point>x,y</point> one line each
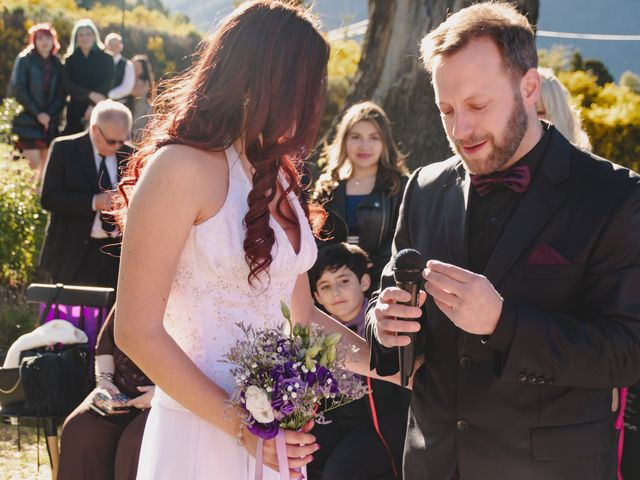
<point>500,22</point>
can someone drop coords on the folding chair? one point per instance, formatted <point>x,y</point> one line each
<point>86,308</point>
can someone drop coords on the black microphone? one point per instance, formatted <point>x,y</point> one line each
<point>407,272</point>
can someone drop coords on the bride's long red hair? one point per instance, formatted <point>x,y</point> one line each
<point>260,77</point>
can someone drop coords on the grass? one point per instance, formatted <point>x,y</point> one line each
<point>23,464</point>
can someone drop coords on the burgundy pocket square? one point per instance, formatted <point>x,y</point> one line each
<point>545,254</point>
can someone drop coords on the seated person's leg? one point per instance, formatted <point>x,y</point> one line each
<point>128,452</point>
<point>328,436</point>
<point>360,455</point>
<point>88,444</point>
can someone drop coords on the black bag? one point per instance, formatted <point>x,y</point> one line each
<point>55,381</point>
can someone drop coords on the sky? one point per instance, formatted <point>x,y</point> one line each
<point>618,17</point>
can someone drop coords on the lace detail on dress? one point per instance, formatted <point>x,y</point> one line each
<point>210,292</point>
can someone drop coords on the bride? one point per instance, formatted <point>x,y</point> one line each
<point>216,233</point>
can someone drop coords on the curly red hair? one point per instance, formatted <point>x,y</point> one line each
<point>262,78</point>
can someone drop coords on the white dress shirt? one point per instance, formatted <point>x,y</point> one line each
<point>120,92</point>
<point>112,167</point>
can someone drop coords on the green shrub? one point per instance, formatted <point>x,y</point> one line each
<point>610,116</point>
<point>16,318</point>
<point>582,86</point>
<point>22,222</point>
<point>9,109</point>
<point>343,65</point>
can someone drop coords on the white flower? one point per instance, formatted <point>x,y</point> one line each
<point>258,404</point>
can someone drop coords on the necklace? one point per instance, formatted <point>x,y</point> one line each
<point>357,183</point>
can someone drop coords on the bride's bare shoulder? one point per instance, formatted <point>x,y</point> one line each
<point>184,157</point>
<point>182,163</point>
<point>189,174</point>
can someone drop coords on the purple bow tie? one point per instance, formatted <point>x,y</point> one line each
<point>516,179</point>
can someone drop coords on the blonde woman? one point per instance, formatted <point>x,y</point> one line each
<point>554,105</point>
<point>362,183</point>
<point>87,74</point>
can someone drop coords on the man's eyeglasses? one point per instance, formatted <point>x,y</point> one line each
<point>111,141</point>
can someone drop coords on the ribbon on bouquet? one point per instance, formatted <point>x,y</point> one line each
<point>281,450</point>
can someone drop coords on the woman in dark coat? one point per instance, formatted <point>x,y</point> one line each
<point>361,184</point>
<point>37,85</point>
<point>87,74</point>
<point>107,447</point>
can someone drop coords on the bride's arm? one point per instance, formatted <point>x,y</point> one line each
<point>167,202</point>
<point>304,311</point>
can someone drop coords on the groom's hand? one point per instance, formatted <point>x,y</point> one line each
<point>468,299</point>
<point>388,328</point>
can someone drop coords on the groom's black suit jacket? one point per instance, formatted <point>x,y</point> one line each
<point>539,408</point>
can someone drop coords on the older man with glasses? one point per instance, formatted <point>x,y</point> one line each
<point>82,172</point>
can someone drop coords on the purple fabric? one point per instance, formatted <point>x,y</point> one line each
<point>93,319</point>
<point>357,324</point>
<point>516,179</point>
<point>545,254</point>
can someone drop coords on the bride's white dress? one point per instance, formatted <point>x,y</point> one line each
<point>210,293</point>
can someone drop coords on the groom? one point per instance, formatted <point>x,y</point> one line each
<point>533,309</point>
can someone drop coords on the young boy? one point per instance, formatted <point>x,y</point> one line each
<point>365,438</point>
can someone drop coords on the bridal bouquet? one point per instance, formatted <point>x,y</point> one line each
<point>282,380</point>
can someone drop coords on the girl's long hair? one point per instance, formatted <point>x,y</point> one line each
<point>147,73</point>
<point>262,78</point>
<point>338,166</point>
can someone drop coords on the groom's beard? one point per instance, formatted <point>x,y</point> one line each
<point>502,151</point>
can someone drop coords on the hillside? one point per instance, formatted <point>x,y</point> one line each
<point>574,16</point>
<point>333,13</point>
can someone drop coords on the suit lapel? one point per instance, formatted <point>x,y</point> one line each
<point>535,209</point>
<point>87,160</point>
<point>456,200</point>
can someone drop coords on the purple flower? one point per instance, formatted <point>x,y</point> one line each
<point>266,431</point>
<point>285,347</point>
<point>290,371</point>
<point>286,408</point>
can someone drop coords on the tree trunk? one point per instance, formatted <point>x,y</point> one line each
<point>391,73</point>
